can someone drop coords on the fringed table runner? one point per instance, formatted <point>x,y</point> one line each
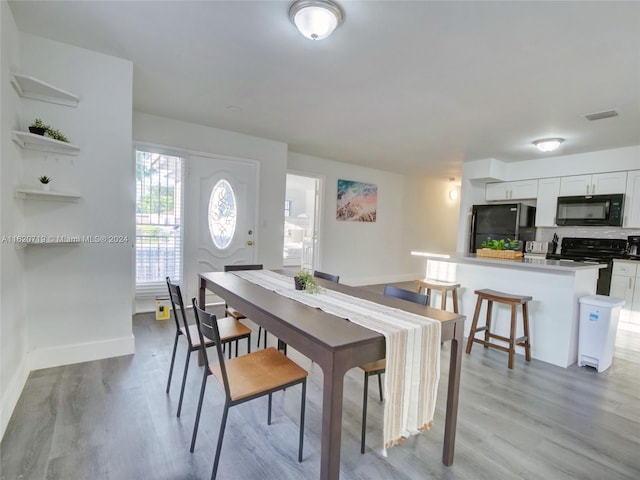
<point>412,351</point>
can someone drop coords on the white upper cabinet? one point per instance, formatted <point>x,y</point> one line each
<point>548,192</point>
<point>497,191</point>
<point>520,190</point>
<point>598,184</point>
<point>632,200</point>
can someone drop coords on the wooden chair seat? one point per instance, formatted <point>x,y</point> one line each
<point>230,329</point>
<point>193,334</point>
<point>373,367</point>
<point>261,371</point>
<point>232,312</point>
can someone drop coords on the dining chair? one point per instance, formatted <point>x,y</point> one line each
<point>379,366</point>
<point>326,276</point>
<point>235,313</point>
<point>231,330</point>
<point>245,378</point>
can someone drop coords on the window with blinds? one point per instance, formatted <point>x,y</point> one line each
<point>159,216</point>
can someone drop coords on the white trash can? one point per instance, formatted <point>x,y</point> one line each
<point>597,332</point>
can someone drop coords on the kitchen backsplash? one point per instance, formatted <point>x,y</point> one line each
<point>546,234</point>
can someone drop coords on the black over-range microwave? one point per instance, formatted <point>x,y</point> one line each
<point>591,210</point>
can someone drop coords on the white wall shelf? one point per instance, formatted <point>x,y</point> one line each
<point>30,87</point>
<point>40,241</point>
<point>35,194</point>
<point>40,142</point>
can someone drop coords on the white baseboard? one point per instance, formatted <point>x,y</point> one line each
<point>81,352</point>
<point>12,394</point>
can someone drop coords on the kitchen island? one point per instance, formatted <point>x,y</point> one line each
<point>555,285</point>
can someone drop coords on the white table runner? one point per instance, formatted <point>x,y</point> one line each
<point>412,351</point>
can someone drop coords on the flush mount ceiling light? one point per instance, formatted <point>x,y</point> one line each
<point>316,19</point>
<point>548,144</point>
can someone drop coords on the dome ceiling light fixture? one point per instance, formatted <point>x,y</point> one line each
<point>316,19</point>
<point>548,144</point>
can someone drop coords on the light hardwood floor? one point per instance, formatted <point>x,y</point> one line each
<point>111,419</point>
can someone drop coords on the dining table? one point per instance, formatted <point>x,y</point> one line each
<point>336,345</point>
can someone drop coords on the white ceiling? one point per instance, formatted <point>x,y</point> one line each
<point>411,87</point>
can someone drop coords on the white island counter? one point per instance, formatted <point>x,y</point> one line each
<point>555,285</point>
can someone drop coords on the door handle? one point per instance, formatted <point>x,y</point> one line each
<point>250,242</point>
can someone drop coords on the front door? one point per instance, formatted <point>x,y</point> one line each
<point>220,215</point>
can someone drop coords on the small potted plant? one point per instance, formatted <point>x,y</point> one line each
<point>304,281</point>
<point>56,135</point>
<point>38,127</point>
<point>508,248</point>
<point>45,182</point>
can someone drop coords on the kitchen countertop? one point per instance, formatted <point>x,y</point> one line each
<point>635,260</point>
<point>559,266</point>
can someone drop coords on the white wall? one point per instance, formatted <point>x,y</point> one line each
<point>272,156</point>
<point>13,326</point>
<point>410,214</point>
<point>78,298</point>
<point>476,174</point>
<point>431,216</point>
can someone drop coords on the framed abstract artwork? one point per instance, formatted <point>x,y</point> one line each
<point>357,201</point>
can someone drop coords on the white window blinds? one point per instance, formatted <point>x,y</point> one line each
<point>159,221</point>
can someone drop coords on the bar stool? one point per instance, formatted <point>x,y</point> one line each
<point>444,287</point>
<point>508,299</point>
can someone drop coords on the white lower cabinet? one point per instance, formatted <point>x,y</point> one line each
<point>625,283</point>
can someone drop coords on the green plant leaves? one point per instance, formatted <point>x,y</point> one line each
<point>502,244</point>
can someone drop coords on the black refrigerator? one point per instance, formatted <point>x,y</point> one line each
<point>514,221</point>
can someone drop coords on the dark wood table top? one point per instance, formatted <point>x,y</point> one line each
<point>336,345</point>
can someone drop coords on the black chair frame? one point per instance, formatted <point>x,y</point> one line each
<point>175,296</point>
<point>208,328</point>
<point>326,276</point>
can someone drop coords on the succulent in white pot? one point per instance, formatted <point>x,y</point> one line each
<point>45,182</point>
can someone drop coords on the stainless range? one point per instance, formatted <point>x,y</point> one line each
<point>599,250</point>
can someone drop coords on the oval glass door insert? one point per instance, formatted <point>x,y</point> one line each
<point>223,214</point>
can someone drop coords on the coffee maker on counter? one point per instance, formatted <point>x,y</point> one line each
<point>633,248</point>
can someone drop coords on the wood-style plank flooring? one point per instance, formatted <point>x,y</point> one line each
<point>111,419</point>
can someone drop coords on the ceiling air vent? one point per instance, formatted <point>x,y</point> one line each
<point>601,115</point>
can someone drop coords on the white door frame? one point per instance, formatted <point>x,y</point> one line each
<point>318,214</point>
